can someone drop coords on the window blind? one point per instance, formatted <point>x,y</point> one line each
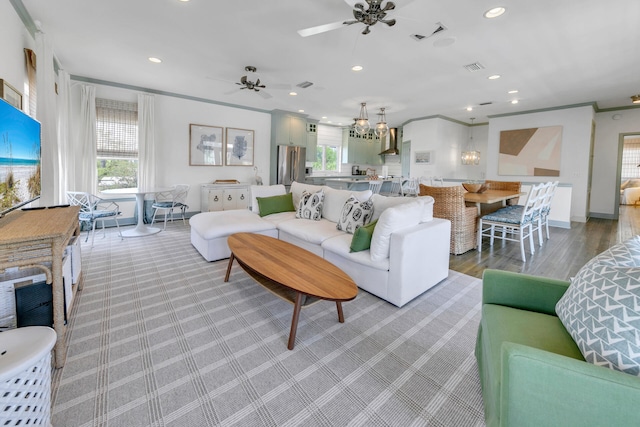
<point>116,129</point>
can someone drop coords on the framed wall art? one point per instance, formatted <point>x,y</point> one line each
<point>239,147</point>
<point>424,157</point>
<point>10,94</point>
<point>530,152</point>
<point>206,144</point>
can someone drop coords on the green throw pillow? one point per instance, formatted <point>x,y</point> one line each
<point>361,240</point>
<point>275,204</point>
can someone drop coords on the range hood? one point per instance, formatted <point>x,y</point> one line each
<point>392,149</point>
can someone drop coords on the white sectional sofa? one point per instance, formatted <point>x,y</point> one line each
<point>409,251</point>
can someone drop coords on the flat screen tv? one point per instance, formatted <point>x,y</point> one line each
<point>19,158</point>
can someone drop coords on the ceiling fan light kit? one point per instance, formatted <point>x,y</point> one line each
<point>248,84</point>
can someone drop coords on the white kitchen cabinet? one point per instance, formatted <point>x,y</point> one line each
<point>312,142</point>
<point>289,130</point>
<point>224,197</point>
<point>361,149</point>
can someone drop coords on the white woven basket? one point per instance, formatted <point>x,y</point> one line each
<point>25,388</point>
<point>26,399</point>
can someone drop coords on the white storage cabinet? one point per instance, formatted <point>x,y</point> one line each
<point>224,197</point>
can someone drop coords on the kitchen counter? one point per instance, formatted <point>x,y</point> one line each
<point>352,183</point>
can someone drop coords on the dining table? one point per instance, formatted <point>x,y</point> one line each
<point>141,229</point>
<point>488,197</point>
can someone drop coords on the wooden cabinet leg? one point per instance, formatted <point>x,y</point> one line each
<point>294,321</point>
<point>231,258</point>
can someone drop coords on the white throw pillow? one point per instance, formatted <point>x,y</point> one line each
<point>310,206</point>
<point>354,214</point>
<point>380,203</point>
<point>601,308</point>
<point>265,191</point>
<point>297,188</point>
<point>393,219</point>
<point>334,201</point>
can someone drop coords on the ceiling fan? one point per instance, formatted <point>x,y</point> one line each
<point>369,14</point>
<point>248,84</point>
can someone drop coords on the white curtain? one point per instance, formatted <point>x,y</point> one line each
<point>146,143</point>
<point>87,175</point>
<point>66,164</point>
<point>47,116</point>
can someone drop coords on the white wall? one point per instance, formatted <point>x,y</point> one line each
<point>15,38</point>
<point>576,138</point>
<point>173,116</point>
<point>608,130</point>
<point>446,139</point>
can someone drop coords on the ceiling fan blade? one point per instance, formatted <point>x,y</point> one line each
<point>243,80</point>
<point>320,29</point>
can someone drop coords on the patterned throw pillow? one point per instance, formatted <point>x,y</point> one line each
<point>601,308</point>
<point>355,214</point>
<point>310,206</point>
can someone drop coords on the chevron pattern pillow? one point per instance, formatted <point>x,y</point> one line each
<point>601,308</point>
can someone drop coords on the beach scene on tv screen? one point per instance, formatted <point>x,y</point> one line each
<point>19,157</point>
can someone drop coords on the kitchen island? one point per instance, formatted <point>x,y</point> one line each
<point>356,184</point>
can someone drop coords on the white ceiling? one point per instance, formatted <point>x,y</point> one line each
<point>555,53</point>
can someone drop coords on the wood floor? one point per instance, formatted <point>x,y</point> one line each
<point>559,257</point>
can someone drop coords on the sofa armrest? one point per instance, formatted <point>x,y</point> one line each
<point>522,291</point>
<point>543,388</point>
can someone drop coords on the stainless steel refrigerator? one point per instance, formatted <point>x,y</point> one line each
<point>291,164</point>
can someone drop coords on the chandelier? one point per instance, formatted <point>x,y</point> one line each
<point>382,129</point>
<point>470,156</point>
<point>362,125</point>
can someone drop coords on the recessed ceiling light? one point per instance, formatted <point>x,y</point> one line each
<point>155,60</point>
<point>184,0</point>
<point>339,123</point>
<point>356,68</point>
<point>494,77</point>
<point>513,91</point>
<point>329,121</point>
<point>292,93</point>
<point>495,12</point>
<point>469,108</point>
<point>300,111</point>
<point>324,117</point>
<point>515,101</point>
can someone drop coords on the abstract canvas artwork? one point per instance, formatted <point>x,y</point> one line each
<point>530,152</point>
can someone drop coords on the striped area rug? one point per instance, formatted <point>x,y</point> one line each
<point>157,338</point>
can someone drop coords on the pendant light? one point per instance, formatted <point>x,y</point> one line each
<point>471,156</point>
<point>362,124</point>
<point>382,129</point>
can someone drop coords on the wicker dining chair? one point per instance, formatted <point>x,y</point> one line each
<point>449,204</point>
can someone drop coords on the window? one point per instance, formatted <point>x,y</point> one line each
<point>117,144</point>
<point>631,157</point>
<point>328,149</point>
<point>326,158</point>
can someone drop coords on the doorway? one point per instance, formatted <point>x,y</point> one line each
<point>628,168</point>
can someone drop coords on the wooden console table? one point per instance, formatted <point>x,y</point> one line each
<point>34,238</point>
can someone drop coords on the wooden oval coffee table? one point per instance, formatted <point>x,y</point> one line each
<point>292,273</point>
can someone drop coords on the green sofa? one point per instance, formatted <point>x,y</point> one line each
<point>531,371</point>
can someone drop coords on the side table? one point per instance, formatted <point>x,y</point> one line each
<point>25,375</point>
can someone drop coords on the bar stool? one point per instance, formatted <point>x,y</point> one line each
<point>25,376</point>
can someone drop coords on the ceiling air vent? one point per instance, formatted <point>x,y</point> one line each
<point>476,66</point>
<point>304,84</point>
<point>439,27</point>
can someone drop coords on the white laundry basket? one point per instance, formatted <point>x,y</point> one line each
<point>25,376</point>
